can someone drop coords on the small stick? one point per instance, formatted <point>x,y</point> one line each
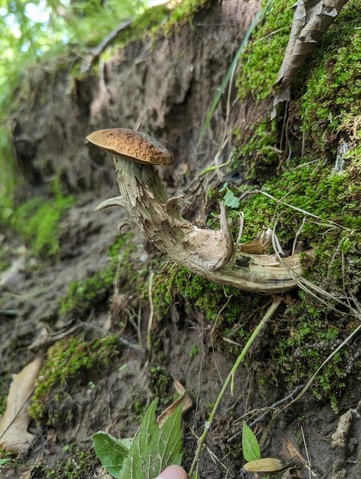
<point>151,312</point>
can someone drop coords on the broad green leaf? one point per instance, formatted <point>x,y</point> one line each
<point>154,449</point>
<point>250,446</point>
<point>171,438</point>
<point>111,452</point>
<point>139,457</point>
<point>147,428</point>
<point>127,442</point>
<point>231,200</point>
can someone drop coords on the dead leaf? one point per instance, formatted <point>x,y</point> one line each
<point>267,464</point>
<point>184,399</point>
<point>14,435</point>
<point>293,452</point>
<point>259,245</point>
<point>312,18</point>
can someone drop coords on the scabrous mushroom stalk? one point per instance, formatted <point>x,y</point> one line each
<point>209,253</point>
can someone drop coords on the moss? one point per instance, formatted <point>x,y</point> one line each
<point>85,295</point>
<point>9,178</point>
<point>320,208</point>
<point>327,93</point>
<point>308,332</point>
<point>38,221</point>
<point>259,64</point>
<point>156,21</point>
<point>4,258</point>
<point>194,351</point>
<point>302,338</point>
<point>184,13</point>
<point>80,463</point>
<point>257,154</point>
<point>326,195</point>
<point>147,24</point>
<point>160,383</point>
<point>223,305</point>
<point>70,363</point>
<point>331,100</point>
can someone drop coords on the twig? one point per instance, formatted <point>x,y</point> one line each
<point>151,312</point>
<point>215,325</point>
<point>230,378</point>
<point>307,455</point>
<point>298,232</point>
<point>264,411</point>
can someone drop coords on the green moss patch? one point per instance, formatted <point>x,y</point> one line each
<point>259,64</point>
<point>184,13</point>
<point>310,191</point>
<point>5,380</point>
<point>325,111</point>
<point>330,105</point>
<point>301,340</point>
<point>158,20</point>
<point>70,363</point>
<point>79,463</point>
<point>221,304</point>
<point>38,222</point>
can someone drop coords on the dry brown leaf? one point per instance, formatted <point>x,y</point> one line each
<point>14,435</point>
<point>311,20</point>
<point>267,464</point>
<point>184,399</point>
<point>293,452</point>
<point>259,245</point>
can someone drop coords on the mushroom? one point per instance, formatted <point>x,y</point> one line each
<point>210,253</point>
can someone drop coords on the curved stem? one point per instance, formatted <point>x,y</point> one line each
<point>209,253</point>
<point>269,313</point>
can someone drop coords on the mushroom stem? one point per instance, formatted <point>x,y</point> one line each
<point>210,253</point>
<point>159,218</point>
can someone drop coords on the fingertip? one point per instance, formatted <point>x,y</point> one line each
<point>173,472</point>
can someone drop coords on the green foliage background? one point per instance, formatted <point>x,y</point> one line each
<point>39,33</point>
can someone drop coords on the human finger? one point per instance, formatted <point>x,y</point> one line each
<point>173,472</point>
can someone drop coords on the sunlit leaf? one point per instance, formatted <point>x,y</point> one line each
<point>152,449</point>
<point>231,200</point>
<point>250,446</point>
<point>111,452</point>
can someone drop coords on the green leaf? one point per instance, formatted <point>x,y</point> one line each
<point>145,456</point>
<point>250,446</point>
<point>111,452</point>
<point>127,442</point>
<point>230,200</point>
<point>154,449</point>
<point>139,457</point>
<point>170,440</point>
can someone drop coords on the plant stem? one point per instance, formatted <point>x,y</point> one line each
<point>269,313</point>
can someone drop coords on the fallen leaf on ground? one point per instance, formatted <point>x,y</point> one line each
<point>14,435</point>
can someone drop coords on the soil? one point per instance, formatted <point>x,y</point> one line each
<point>164,87</point>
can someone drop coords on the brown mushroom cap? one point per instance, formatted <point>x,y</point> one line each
<point>131,144</point>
